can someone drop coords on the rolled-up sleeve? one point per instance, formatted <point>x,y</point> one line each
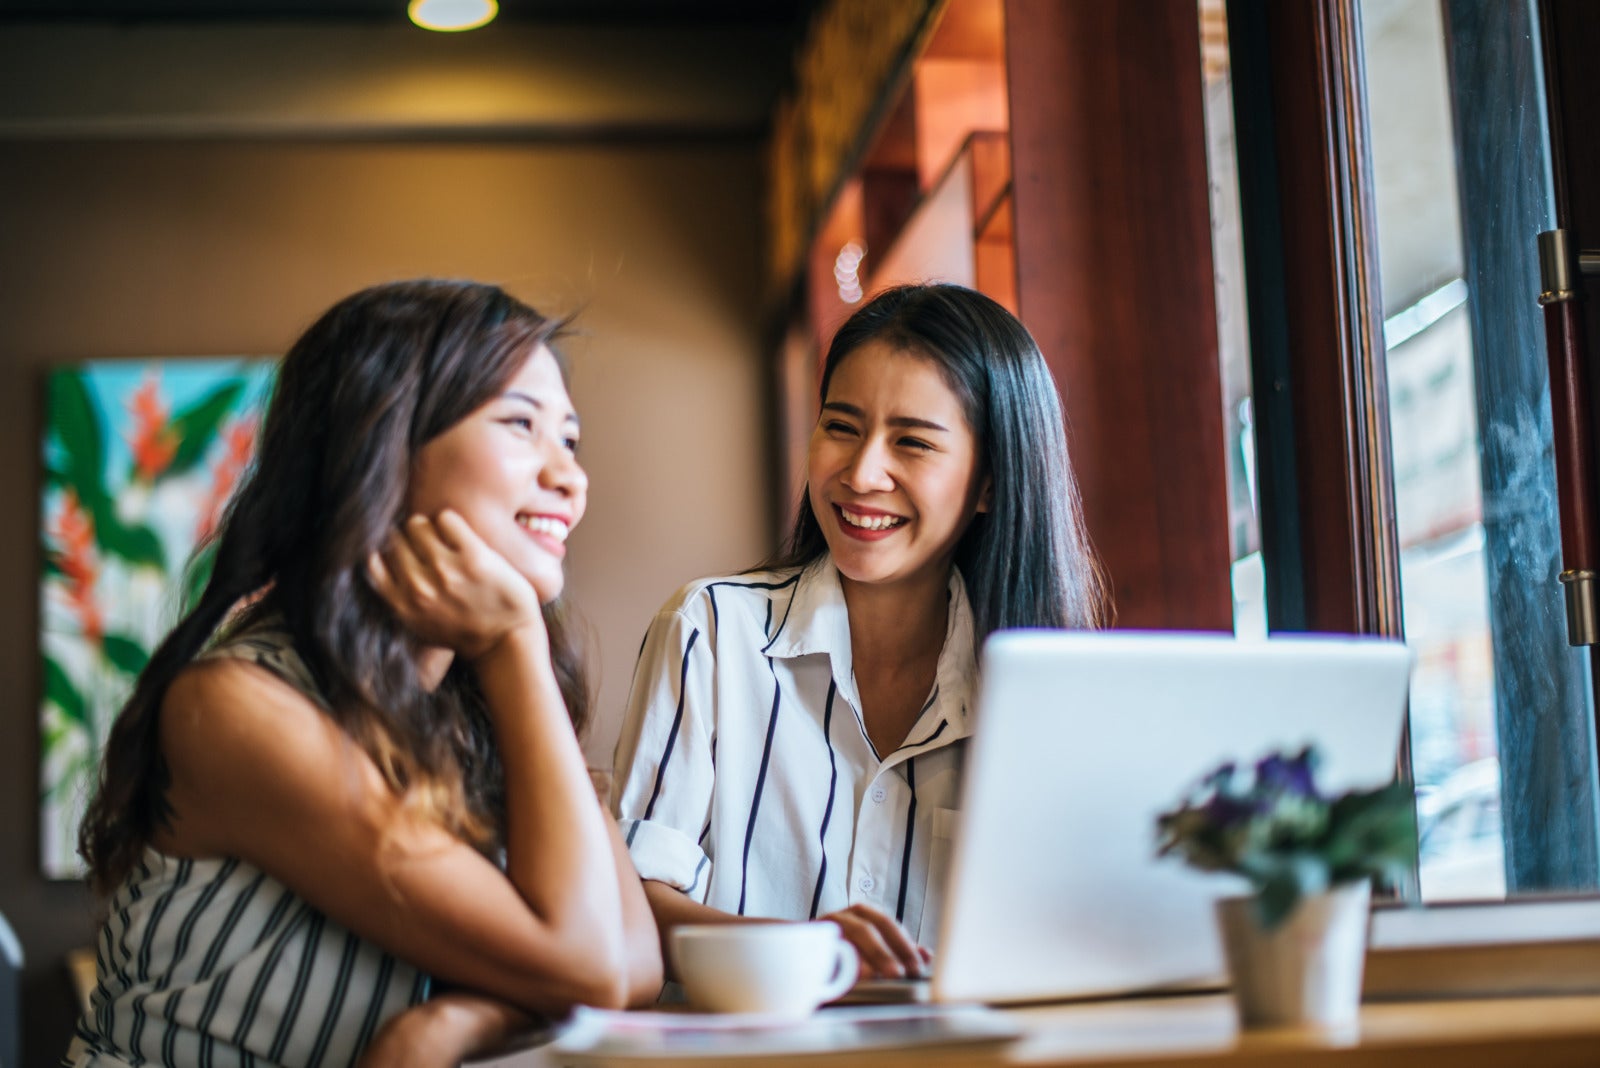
<point>664,760</point>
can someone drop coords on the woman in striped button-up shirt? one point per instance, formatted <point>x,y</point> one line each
<point>792,745</point>
<point>302,806</point>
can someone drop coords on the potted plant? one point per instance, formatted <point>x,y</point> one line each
<point>1295,946</point>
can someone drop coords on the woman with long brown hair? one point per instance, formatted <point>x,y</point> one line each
<point>351,772</point>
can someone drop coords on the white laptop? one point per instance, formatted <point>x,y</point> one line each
<point>1054,889</point>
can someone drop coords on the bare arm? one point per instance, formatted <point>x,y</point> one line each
<point>260,773</point>
<point>447,1029</point>
<point>644,966</point>
<point>883,945</point>
<point>460,1025</point>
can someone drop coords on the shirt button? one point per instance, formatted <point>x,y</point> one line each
<point>878,794</point>
<point>867,884</point>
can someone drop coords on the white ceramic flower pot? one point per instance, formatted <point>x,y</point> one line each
<point>1307,970</point>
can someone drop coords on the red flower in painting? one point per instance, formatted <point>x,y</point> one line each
<point>152,439</point>
<point>75,555</point>
<point>238,445</point>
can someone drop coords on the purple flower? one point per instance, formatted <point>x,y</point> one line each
<point>1277,774</point>
<point>1227,811</point>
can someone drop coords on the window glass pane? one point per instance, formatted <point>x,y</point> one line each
<point>1439,498</point>
<point>1499,704</point>
<point>1233,336</point>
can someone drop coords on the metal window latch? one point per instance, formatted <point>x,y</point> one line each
<point>1556,263</point>
<point>1581,621</point>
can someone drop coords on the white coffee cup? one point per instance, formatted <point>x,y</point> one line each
<point>777,969</point>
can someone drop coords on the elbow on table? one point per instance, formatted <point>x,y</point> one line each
<point>599,977</point>
<point>607,992</point>
<point>604,968</point>
<point>631,981</point>
<point>645,976</point>
<point>557,996</point>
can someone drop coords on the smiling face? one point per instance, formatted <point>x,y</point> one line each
<point>510,469</point>
<point>894,468</point>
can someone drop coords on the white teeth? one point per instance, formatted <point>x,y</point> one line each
<point>871,522</point>
<point>539,524</point>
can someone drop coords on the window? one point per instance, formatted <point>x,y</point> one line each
<point>1395,168</point>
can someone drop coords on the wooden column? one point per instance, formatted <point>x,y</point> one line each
<point>1114,274</point>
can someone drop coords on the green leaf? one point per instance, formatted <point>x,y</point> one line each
<point>1372,832</point>
<point>78,770</point>
<point>55,733</point>
<point>127,655</point>
<point>197,425</point>
<point>55,476</point>
<point>76,424</point>
<point>198,574</point>
<point>136,543</point>
<point>1276,900</point>
<point>60,691</point>
<point>1293,877</point>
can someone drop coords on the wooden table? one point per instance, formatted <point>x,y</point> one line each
<point>1201,1031</point>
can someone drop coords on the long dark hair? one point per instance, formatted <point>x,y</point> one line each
<point>380,374</point>
<point>1027,561</point>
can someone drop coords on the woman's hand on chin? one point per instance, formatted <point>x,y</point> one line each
<point>450,589</point>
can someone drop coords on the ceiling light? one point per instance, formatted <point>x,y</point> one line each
<point>450,16</point>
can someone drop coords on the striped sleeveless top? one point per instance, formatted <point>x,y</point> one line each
<point>215,963</point>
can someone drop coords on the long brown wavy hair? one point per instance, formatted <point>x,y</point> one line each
<point>379,375</point>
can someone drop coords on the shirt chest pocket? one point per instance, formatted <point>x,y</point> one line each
<point>940,847</point>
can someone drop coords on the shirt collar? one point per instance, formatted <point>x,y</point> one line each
<point>958,660</point>
<point>817,621</point>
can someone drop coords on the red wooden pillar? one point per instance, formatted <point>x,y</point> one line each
<point>1114,274</point>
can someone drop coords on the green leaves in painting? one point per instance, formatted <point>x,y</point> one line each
<point>77,428</point>
<point>196,426</point>
<point>198,574</point>
<point>134,542</point>
<point>78,431</point>
<point>125,654</point>
<point>60,691</point>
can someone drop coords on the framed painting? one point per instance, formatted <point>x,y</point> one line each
<point>140,458</point>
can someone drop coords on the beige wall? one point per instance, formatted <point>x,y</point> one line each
<point>180,248</point>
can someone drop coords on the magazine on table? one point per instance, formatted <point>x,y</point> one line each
<point>596,1037</point>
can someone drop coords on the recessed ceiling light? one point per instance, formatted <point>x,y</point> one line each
<point>451,16</point>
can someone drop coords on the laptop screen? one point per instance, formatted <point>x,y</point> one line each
<point>1080,740</point>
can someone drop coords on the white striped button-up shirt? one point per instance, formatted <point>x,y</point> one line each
<point>745,777</point>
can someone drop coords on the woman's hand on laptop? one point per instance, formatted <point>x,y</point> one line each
<point>886,951</point>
